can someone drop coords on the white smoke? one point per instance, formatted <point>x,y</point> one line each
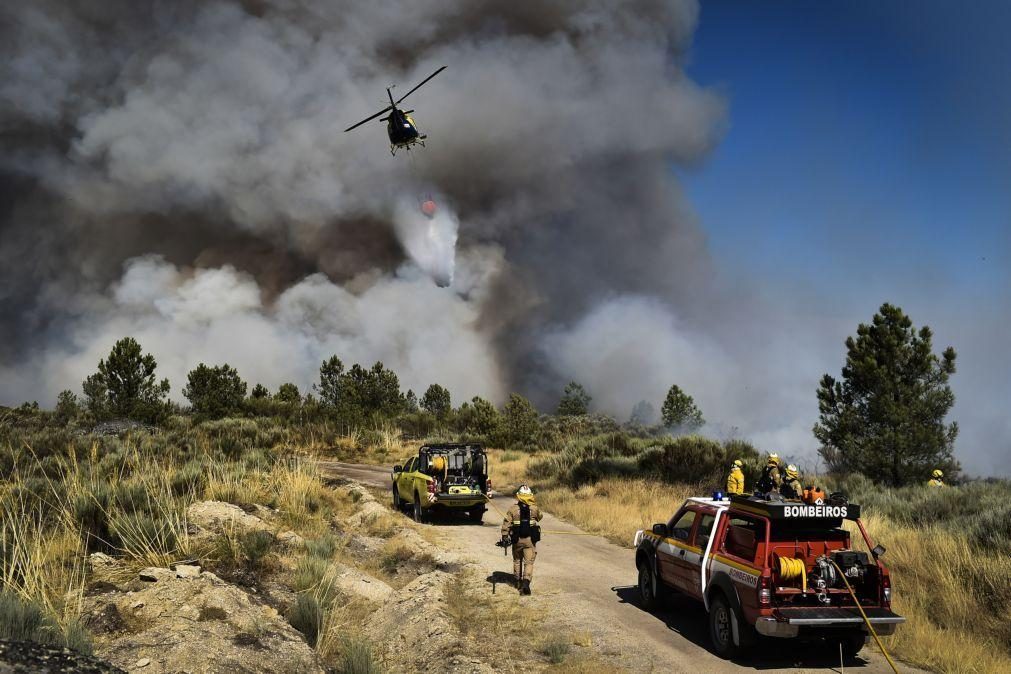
<point>429,241</point>
<point>217,316</point>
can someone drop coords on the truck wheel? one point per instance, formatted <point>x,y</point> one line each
<point>419,512</point>
<point>398,505</point>
<point>476,515</point>
<point>851,646</point>
<point>721,630</point>
<point>646,591</point>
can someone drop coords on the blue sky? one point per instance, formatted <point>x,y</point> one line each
<point>866,145</point>
<point>867,158</point>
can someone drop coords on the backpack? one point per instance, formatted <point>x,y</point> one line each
<point>765,483</point>
<point>525,529</point>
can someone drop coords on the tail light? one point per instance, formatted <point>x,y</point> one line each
<point>431,487</point>
<point>765,590</point>
<point>488,484</point>
<point>886,591</point>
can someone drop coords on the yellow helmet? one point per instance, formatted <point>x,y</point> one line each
<point>774,458</point>
<point>937,474</point>
<point>738,463</point>
<point>439,463</point>
<point>791,471</point>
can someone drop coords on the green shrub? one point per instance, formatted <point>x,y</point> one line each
<point>555,650</point>
<point>357,657</point>
<point>91,512</point>
<point>323,547</point>
<point>306,615</point>
<point>28,621</point>
<point>190,479</point>
<point>256,545</point>
<point>309,572</point>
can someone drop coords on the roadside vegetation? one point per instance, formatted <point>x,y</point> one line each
<point>114,470</point>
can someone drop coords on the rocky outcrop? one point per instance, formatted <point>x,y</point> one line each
<point>355,583</point>
<point>213,518</point>
<point>177,623</point>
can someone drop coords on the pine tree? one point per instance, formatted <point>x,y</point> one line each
<point>214,392</point>
<point>575,400</point>
<point>885,417</point>
<point>679,410</point>
<point>519,423</point>
<point>125,385</point>
<point>436,401</point>
<point>288,393</point>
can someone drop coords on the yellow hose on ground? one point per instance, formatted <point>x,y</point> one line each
<point>791,569</point>
<point>866,620</point>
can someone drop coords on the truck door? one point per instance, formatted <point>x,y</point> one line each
<point>405,482</point>
<point>672,550</point>
<point>693,559</point>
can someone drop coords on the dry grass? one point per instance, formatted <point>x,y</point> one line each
<point>955,599</point>
<point>615,508</point>
<point>508,469</point>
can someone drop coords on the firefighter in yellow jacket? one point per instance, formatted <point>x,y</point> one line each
<point>936,479</point>
<point>520,529</point>
<point>735,481</point>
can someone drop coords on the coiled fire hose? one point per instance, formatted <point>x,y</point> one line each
<point>791,569</point>
<point>870,627</point>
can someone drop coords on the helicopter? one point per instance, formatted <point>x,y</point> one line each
<point>400,127</point>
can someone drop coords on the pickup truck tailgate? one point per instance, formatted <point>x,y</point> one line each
<point>836,616</point>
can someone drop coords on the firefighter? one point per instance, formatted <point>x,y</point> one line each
<point>936,478</point>
<point>520,529</point>
<point>735,481</point>
<point>791,485</point>
<point>770,480</point>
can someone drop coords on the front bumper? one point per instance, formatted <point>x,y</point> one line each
<point>788,623</point>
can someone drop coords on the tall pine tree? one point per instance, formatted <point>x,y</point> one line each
<point>885,417</point>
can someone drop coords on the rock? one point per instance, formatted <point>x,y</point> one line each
<point>412,621</point>
<point>27,656</point>
<point>216,517</point>
<point>143,662</point>
<point>100,562</point>
<point>181,622</point>
<point>368,511</point>
<point>153,574</point>
<point>290,539</point>
<point>358,584</point>
<point>187,571</point>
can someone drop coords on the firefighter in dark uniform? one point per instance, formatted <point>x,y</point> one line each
<point>771,479</point>
<point>520,529</point>
<point>791,485</point>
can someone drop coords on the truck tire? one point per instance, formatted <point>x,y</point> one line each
<point>419,512</point>
<point>476,515</point>
<point>721,630</point>
<point>398,505</point>
<point>647,587</point>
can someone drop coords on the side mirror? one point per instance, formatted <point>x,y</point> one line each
<point>878,550</point>
<point>660,530</point>
<point>398,469</point>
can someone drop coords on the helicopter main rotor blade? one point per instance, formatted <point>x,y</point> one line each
<point>368,119</point>
<point>419,86</point>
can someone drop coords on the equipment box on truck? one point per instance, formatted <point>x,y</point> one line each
<point>777,568</point>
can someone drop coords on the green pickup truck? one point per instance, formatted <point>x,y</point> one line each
<point>444,477</point>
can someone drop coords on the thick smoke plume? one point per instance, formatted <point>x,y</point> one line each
<point>177,171</point>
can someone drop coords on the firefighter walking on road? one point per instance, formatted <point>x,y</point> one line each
<point>520,529</point>
<point>735,481</point>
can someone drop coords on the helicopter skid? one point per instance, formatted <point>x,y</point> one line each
<point>420,140</point>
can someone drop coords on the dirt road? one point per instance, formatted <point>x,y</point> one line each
<point>591,582</point>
